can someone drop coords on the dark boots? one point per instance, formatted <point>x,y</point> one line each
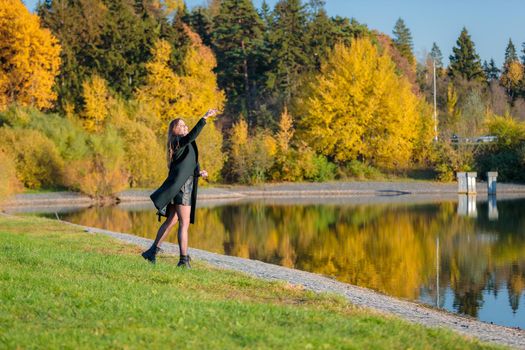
<point>184,261</point>
<point>150,254</point>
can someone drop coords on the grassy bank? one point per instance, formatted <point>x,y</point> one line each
<point>64,288</point>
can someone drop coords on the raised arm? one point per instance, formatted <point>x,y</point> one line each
<point>192,135</point>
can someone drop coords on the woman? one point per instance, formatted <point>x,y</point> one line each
<point>177,196</point>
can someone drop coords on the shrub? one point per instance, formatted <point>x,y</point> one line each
<point>251,157</point>
<point>506,156</point>
<point>362,171</point>
<point>37,160</point>
<point>324,169</point>
<point>9,183</point>
<point>144,157</point>
<point>448,160</point>
<point>103,173</point>
<point>69,137</point>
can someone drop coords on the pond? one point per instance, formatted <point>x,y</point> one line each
<point>460,254</point>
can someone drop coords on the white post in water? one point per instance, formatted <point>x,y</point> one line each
<point>471,182</point>
<point>462,182</point>
<point>467,205</point>
<point>493,208</point>
<point>491,182</point>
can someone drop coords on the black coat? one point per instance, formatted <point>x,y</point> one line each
<point>181,168</point>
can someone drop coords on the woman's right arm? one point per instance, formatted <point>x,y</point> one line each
<point>192,135</point>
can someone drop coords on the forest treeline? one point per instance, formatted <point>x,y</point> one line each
<point>88,87</point>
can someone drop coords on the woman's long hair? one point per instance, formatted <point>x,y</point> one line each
<point>171,139</point>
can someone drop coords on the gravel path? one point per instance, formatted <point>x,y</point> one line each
<point>363,297</point>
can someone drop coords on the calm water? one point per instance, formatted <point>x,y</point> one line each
<point>464,256</point>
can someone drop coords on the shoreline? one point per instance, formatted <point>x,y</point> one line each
<point>362,297</point>
<point>336,189</point>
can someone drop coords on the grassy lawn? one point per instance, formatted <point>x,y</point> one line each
<point>63,288</point>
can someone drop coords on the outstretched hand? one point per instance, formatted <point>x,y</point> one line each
<point>203,174</point>
<point>210,113</point>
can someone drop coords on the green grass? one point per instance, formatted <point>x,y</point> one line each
<point>64,288</point>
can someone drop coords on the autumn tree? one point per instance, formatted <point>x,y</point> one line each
<point>512,72</point>
<point>96,103</point>
<point>512,77</point>
<point>29,58</point>
<point>357,107</point>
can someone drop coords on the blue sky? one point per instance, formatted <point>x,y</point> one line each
<point>490,23</point>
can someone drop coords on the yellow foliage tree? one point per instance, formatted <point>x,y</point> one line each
<point>29,58</point>
<point>188,96</point>
<point>96,103</point>
<point>238,156</point>
<point>163,87</point>
<point>512,77</point>
<point>286,131</point>
<point>358,107</point>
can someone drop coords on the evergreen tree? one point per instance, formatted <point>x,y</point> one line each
<point>200,22</point>
<point>512,72</point>
<point>320,34</point>
<point>523,56</point>
<point>266,14</point>
<point>237,39</point>
<point>510,53</point>
<point>436,55</point>
<point>289,56</point>
<point>179,39</point>
<point>465,62</point>
<point>403,40</point>
<point>491,71</point>
<point>347,29</point>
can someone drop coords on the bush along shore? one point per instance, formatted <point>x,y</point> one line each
<point>64,288</point>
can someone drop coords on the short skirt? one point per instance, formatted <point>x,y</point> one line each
<point>184,195</point>
<point>182,198</point>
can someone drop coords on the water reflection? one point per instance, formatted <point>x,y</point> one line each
<point>465,256</point>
